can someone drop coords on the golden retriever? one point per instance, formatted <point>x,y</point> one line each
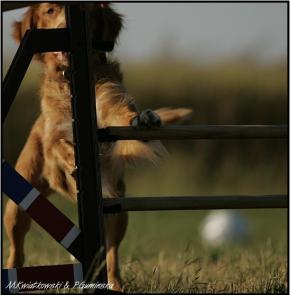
<point>47,159</point>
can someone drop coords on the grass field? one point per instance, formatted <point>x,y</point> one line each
<point>163,251</point>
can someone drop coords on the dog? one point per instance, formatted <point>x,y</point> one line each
<point>47,159</point>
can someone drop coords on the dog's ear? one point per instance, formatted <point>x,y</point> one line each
<point>106,22</point>
<point>27,23</point>
<point>113,23</point>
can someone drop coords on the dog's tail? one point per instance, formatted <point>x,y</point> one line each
<point>131,151</point>
<point>134,151</point>
<point>173,116</point>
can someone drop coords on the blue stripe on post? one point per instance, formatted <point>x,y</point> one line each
<point>41,210</point>
<point>4,281</point>
<point>13,184</point>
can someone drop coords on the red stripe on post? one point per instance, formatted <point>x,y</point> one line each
<point>50,218</point>
<point>46,275</point>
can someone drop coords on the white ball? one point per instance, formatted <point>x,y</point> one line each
<point>222,226</point>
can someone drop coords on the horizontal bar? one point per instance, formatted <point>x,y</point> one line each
<point>114,205</point>
<point>48,40</point>
<point>37,41</point>
<point>194,132</point>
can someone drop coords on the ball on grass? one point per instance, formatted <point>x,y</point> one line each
<point>223,226</point>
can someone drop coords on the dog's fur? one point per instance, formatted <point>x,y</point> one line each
<point>47,159</point>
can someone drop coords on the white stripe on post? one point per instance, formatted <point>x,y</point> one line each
<point>12,278</point>
<point>29,199</point>
<point>78,272</point>
<point>70,236</point>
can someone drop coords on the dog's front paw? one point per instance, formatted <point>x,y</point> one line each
<point>68,156</point>
<point>146,118</point>
<point>70,164</point>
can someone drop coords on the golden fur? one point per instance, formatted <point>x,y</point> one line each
<point>47,159</point>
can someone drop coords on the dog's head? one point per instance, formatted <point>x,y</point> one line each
<point>106,24</point>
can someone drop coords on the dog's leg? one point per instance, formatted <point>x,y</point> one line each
<point>17,222</point>
<point>59,150</point>
<point>115,228</point>
<point>64,151</point>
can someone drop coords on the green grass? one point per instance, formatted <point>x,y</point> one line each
<point>226,270</point>
<point>163,251</point>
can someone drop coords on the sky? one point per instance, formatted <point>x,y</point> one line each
<point>199,31</point>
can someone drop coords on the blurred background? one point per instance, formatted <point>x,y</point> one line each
<point>228,62</point>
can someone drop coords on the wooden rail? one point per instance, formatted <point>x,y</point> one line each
<point>114,205</point>
<point>194,132</point>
